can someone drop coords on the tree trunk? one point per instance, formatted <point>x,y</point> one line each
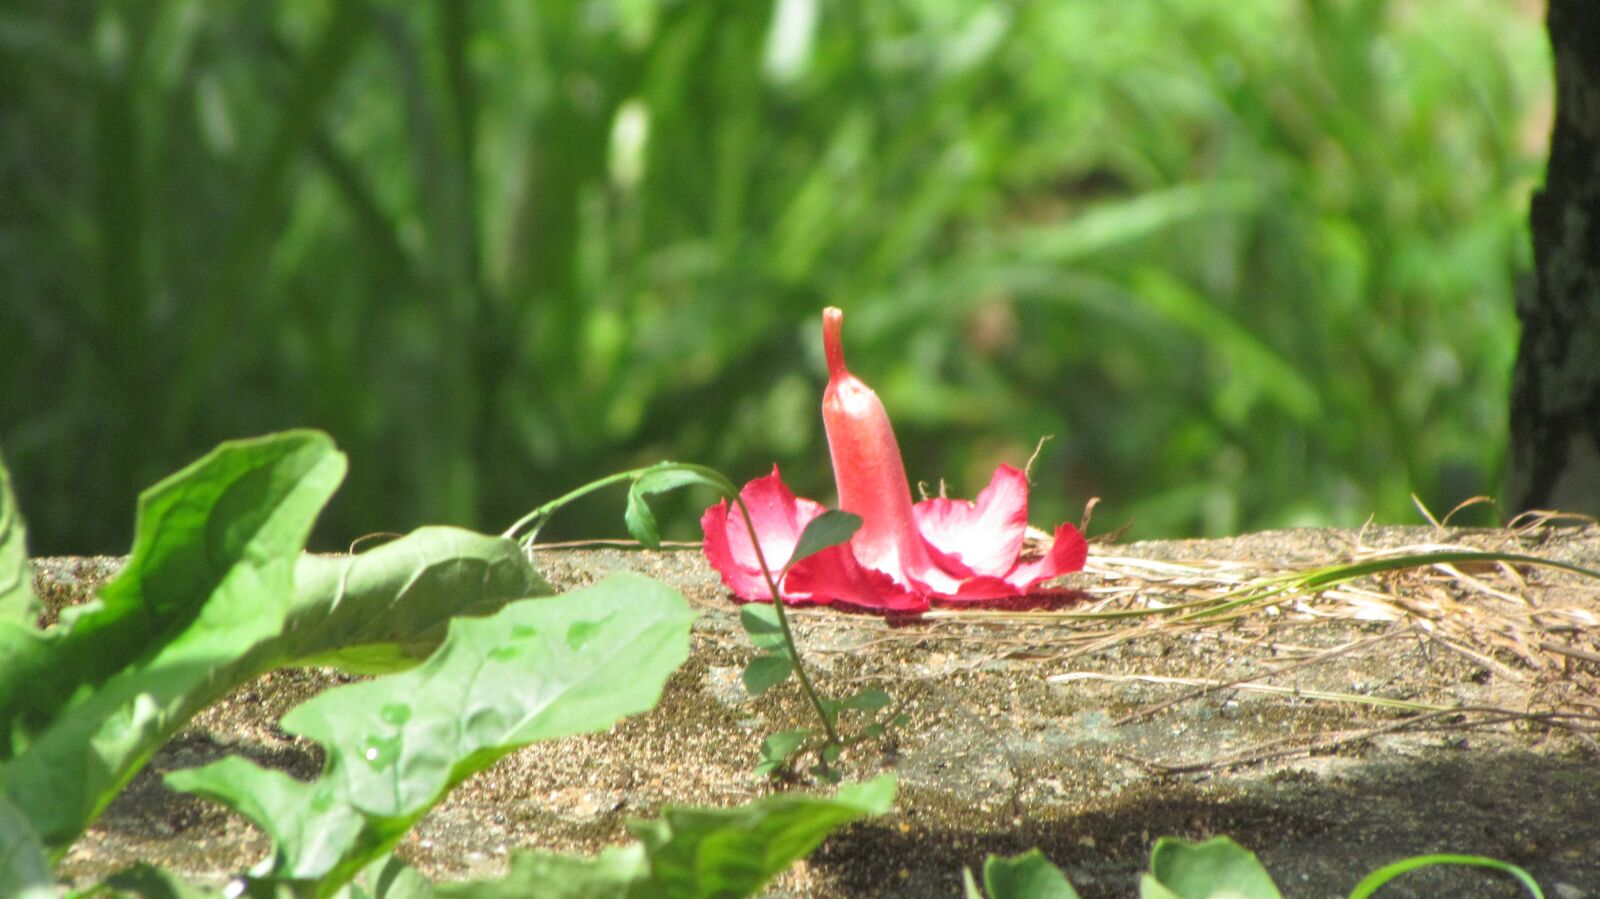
<point>1555,393</point>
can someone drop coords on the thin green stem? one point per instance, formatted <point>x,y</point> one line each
<point>788,632</point>
<point>549,508</point>
<point>1378,878</point>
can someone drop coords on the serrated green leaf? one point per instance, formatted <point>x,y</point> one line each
<point>869,700</point>
<point>211,576</point>
<point>1026,876</point>
<point>18,604</point>
<point>764,672</point>
<point>734,852</point>
<point>535,670</point>
<point>541,875</point>
<point>1217,867</point>
<point>760,622</point>
<point>831,528</point>
<point>777,749</point>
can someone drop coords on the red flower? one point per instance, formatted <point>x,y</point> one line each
<point>904,554</point>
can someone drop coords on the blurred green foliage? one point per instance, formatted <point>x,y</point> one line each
<point>1251,262</point>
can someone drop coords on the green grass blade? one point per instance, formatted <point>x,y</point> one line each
<point>1383,875</point>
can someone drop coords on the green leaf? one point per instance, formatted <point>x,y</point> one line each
<point>669,476</point>
<point>766,671</point>
<point>1383,875</point>
<point>22,863</point>
<point>1150,888</point>
<point>657,479</point>
<point>688,853</point>
<point>535,670</point>
<point>777,749</point>
<point>969,886</point>
<point>825,774</point>
<point>869,700</point>
<point>542,875</point>
<point>1217,868</point>
<point>379,610</point>
<point>1026,876</point>
<point>831,528</point>
<point>210,576</point>
<point>641,523</point>
<point>734,852</point>
<point>389,607</point>
<point>18,604</point>
<point>760,621</point>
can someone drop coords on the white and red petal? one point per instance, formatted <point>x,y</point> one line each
<point>980,538</point>
<point>1068,553</point>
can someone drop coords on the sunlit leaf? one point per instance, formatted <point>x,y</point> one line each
<point>777,749</point>
<point>210,577</point>
<point>735,851</point>
<point>387,608</point>
<point>1026,876</point>
<point>535,670</point>
<point>1216,868</point>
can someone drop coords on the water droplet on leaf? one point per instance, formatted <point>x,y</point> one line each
<point>380,752</point>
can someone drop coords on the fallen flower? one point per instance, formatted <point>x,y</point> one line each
<point>904,555</point>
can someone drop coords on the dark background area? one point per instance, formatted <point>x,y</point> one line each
<point>1250,263</point>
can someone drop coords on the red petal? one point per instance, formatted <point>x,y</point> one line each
<point>835,575</point>
<point>745,583</point>
<point>982,537</point>
<point>778,516</point>
<point>1067,554</point>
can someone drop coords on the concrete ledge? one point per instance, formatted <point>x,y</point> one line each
<point>1000,758</point>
